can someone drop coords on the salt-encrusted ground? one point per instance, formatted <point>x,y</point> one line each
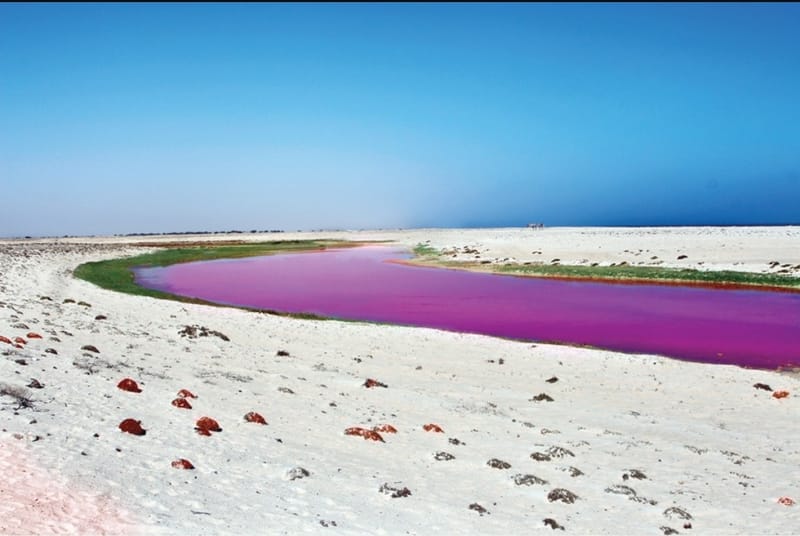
<point>643,443</point>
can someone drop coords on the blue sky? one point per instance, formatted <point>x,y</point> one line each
<point>123,118</point>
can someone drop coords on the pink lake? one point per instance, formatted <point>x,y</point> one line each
<point>742,327</point>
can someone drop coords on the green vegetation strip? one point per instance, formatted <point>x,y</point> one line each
<point>117,274</point>
<point>624,273</point>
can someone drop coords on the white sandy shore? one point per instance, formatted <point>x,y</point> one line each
<point>706,440</point>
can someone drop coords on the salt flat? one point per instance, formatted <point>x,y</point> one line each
<point>633,443</point>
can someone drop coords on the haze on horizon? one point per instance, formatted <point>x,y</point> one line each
<point>121,118</point>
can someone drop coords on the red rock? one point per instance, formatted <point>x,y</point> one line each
<point>366,434</point>
<point>20,340</point>
<point>254,417</point>
<point>373,383</point>
<point>207,423</point>
<point>185,393</point>
<point>786,501</point>
<point>5,340</point>
<point>19,346</point>
<point>780,394</point>
<point>433,428</point>
<point>374,436</point>
<point>182,464</point>
<point>33,335</point>
<point>132,426</point>
<point>386,428</point>
<point>181,403</point>
<point>202,431</point>
<point>129,385</point>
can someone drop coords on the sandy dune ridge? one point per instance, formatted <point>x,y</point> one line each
<point>618,443</point>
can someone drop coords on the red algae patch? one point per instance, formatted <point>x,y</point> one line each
<point>433,428</point>
<point>35,501</point>
<point>5,340</point>
<point>182,463</point>
<point>385,428</point>
<point>181,403</point>
<point>786,501</point>
<point>254,417</point>
<point>20,340</point>
<point>132,426</point>
<point>129,385</point>
<point>185,393</point>
<point>780,394</point>
<point>33,335</point>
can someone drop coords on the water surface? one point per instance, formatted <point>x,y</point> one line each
<point>744,327</point>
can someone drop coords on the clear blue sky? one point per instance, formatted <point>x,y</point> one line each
<point>125,118</point>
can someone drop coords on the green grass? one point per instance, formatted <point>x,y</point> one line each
<point>431,257</point>
<point>424,250</point>
<point>117,274</point>
<point>652,273</point>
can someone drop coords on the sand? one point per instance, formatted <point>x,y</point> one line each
<point>628,444</point>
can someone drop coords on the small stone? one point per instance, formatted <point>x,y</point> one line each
<point>675,512</point>
<point>562,495</point>
<point>443,456</point>
<point>552,523</point>
<point>528,480</point>
<point>478,508</point>
<point>297,473</point>
<point>373,383</point>
<point>394,492</point>
<point>498,464</point>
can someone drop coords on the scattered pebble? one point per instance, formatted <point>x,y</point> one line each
<point>254,417</point>
<point>132,426</point>
<point>498,464</point>
<point>374,383</point>
<point>562,495</point>
<point>552,523</point>
<point>528,480</point>
<point>181,403</point>
<point>182,463</point>
<point>394,492</point>
<point>478,508</point>
<point>297,473</point>
<point>129,385</point>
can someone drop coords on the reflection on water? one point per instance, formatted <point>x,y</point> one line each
<point>744,327</point>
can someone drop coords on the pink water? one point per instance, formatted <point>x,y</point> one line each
<point>742,327</point>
